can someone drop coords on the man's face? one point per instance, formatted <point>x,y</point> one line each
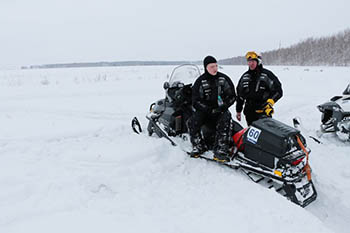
<point>212,68</point>
<point>252,64</point>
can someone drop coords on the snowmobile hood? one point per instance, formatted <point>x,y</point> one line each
<point>330,105</point>
<point>340,103</point>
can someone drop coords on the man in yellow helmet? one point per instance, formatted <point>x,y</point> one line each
<point>257,90</point>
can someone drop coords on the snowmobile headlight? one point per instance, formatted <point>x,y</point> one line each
<point>151,108</point>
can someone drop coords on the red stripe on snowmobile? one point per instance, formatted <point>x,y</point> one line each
<point>238,139</point>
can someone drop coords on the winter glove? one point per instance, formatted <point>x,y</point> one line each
<point>267,108</point>
<point>268,111</point>
<point>270,103</point>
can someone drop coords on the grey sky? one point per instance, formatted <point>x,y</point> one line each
<point>57,31</point>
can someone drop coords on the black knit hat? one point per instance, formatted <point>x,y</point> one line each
<point>207,60</point>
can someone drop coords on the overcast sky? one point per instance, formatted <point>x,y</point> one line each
<point>59,31</point>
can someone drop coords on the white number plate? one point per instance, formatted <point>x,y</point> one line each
<point>253,135</point>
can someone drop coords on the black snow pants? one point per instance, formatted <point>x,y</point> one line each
<point>219,121</point>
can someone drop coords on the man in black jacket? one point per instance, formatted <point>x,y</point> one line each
<point>212,94</point>
<point>258,89</point>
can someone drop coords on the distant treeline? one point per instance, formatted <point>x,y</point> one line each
<point>329,51</point>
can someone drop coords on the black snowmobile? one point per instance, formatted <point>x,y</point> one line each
<point>269,152</point>
<point>336,115</point>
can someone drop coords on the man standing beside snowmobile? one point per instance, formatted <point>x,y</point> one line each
<point>258,89</point>
<point>212,94</point>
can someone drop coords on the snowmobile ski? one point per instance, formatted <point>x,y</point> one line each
<point>160,132</point>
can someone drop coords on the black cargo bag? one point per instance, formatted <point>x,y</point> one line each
<point>267,140</point>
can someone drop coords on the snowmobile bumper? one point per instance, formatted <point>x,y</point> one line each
<point>302,193</point>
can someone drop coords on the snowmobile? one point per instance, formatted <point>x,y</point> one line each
<point>336,115</point>
<point>270,152</point>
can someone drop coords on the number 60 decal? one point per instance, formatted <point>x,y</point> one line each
<point>253,134</point>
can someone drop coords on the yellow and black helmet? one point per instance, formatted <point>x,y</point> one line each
<point>251,55</point>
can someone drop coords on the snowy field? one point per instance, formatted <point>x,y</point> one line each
<point>71,163</point>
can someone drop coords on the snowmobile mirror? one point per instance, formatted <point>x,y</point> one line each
<point>166,85</point>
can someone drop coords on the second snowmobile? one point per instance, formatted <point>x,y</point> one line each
<point>336,115</point>
<point>269,151</point>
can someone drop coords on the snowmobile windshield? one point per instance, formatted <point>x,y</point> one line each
<point>184,74</point>
<point>347,90</point>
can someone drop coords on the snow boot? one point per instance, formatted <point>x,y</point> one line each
<point>198,146</point>
<point>222,155</point>
<point>222,151</point>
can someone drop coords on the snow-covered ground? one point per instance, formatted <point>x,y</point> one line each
<point>69,161</point>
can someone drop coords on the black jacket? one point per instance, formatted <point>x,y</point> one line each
<point>257,86</point>
<point>205,92</point>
